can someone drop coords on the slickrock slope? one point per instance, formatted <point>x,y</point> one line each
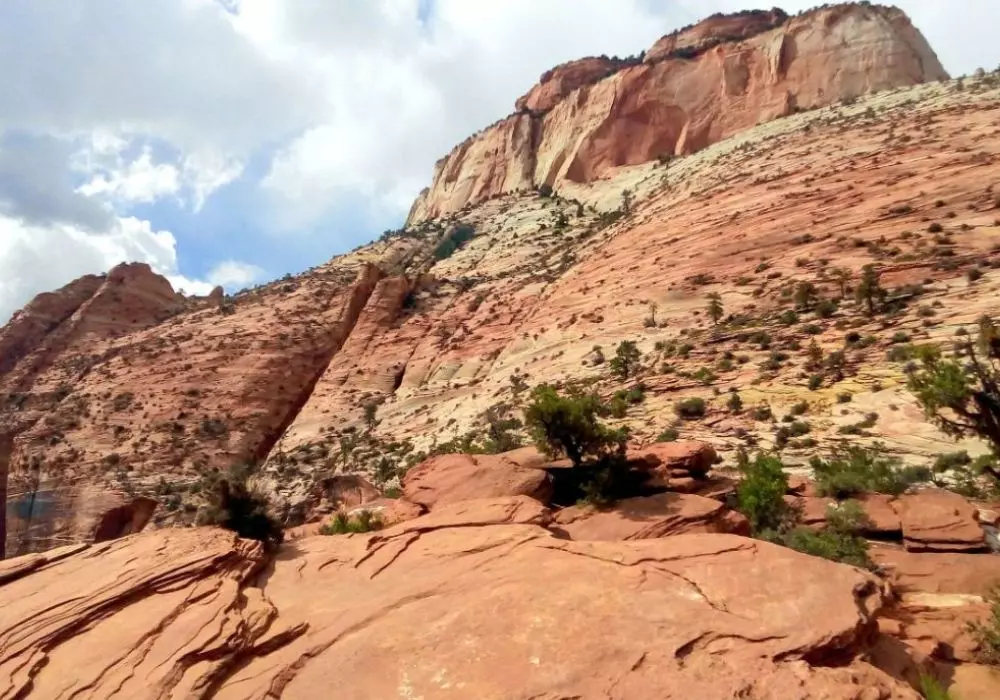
<point>479,604</point>
<point>283,372</point>
<point>694,88</point>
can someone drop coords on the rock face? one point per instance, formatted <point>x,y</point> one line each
<point>648,517</point>
<point>939,521</point>
<point>152,395</point>
<point>694,88</point>
<point>445,608</point>
<point>450,478</point>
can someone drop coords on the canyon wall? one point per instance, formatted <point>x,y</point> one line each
<point>694,88</point>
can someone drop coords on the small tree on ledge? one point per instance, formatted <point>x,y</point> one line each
<point>963,399</point>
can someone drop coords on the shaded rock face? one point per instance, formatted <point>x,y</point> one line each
<point>445,608</point>
<point>124,520</point>
<point>695,88</point>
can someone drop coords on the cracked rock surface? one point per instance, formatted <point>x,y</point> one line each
<point>475,600</point>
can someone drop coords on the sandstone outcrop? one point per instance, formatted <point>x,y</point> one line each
<point>450,478</point>
<point>695,87</point>
<point>439,607</point>
<point>647,517</point>
<point>939,521</point>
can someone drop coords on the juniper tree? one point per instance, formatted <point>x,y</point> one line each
<point>963,398</point>
<point>715,310</point>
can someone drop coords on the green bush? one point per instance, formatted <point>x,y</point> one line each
<point>840,541</point>
<point>626,359</point>
<point>760,495</point>
<point>236,507</point>
<point>854,469</point>
<point>815,382</point>
<point>690,408</point>
<point>987,633</point>
<point>834,546</point>
<point>454,241</point>
<point>342,524</point>
<point>569,425</point>
<point>668,435</point>
<point>735,403</point>
<point>800,409</point>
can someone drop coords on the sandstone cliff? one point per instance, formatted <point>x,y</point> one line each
<point>115,389</point>
<point>695,87</point>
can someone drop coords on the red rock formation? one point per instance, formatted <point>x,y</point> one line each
<point>450,478</point>
<point>662,515</point>
<point>472,601</point>
<point>697,87</point>
<point>559,82</point>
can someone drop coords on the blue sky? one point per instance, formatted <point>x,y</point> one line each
<point>232,141</point>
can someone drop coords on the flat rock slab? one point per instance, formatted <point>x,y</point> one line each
<point>440,608</point>
<point>940,521</point>
<point>662,515</point>
<point>938,572</point>
<point>448,479</point>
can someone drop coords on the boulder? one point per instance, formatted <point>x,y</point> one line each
<point>812,510</point>
<point>346,491</point>
<point>532,458</point>
<point>391,511</point>
<point>441,608</point>
<point>883,520</point>
<point>643,518</point>
<point>940,521</point>
<point>450,478</point>
<point>670,459</point>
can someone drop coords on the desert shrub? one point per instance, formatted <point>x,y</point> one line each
<point>704,375</point>
<point>342,524</point>
<point>453,241</point>
<point>690,408</point>
<point>570,425</point>
<point>761,412</point>
<point>812,329</point>
<point>234,506</point>
<point>815,382</point>
<point>626,359</point>
<point>961,394</point>
<point>853,469</point>
<point>799,409</point>
<point>900,353</point>
<point>618,407</point>
<point>844,397</point>
<point>735,402</point>
<point>931,689</point>
<point>788,318</point>
<point>668,435</point>
<point>987,632</point>
<point>826,308</point>
<point>828,544</point>
<point>760,495</point>
<point>973,274</point>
